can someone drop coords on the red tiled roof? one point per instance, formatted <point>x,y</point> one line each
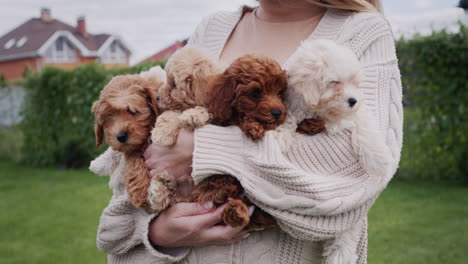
<point>38,32</point>
<point>165,53</point>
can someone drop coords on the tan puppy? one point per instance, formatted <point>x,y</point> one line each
<point>124,115</point>
<point>182,100</point>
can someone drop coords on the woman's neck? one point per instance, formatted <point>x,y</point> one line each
<point>287,10</point>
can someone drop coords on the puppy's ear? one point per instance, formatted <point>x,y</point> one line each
<point>220,96</point>
<point>97,109</point>
<point>201,74</point>
<point>153,80</point>
<point>99,133</point>
<point>306,81</point>
<point>151,95</point>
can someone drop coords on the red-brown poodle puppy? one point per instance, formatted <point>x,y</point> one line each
<point>249,94</point>
<point>124,115</point>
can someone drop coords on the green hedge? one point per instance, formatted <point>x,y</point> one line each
<point>11,143</point>
<point>58,124</point>
<point>435,79</point>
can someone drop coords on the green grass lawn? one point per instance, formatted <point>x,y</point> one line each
<point>419,223</point>
<point>51,216</point>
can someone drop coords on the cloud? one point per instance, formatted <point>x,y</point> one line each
<point>423,4</point>
<point>426,22</point>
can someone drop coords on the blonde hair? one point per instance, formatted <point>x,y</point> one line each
<point>350,5</point>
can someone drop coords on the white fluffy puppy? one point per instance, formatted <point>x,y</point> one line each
<point>323,80</point>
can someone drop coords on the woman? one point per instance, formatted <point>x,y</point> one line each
<point>334,192</point>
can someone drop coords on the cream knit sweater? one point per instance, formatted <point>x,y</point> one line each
<point>317,190</point>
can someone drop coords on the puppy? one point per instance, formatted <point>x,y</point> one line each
<point>182,99</point>
<point>184,95</point>
<point>323,94</point>
<point>248,94</point>
<point>124,115</point>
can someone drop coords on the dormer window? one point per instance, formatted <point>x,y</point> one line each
<point>9,44</point>
<point>59,44</point>
<point>21,42</point>
<point>115,53</point>
<point>62,51</point>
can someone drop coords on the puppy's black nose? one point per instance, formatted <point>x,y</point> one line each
<point>122,137</point>
<point>276,113</point>
<point>352,101</point>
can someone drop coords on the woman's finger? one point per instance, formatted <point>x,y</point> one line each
<point>147,153</point>
<point>190,209</point>
<point>210,219</point>
<point>232,241</point>
<point>150,163</point>
<point>221,233</point>
<point>241,234</point>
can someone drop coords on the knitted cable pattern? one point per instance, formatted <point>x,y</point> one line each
<point>316,191</point>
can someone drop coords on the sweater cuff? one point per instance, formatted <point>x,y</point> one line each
<point>217,150</point>
<point>168,255</point>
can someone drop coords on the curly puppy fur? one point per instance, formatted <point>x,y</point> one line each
<point>323,80</point>
<point>124,115</point>
<point>181,98</point>
<point>249,94</point>
<point>188,72</point>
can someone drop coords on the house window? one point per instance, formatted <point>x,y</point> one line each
<point>21,42</point>
<point>61,51</point>
<point>9,44</point>
<point>59,44</point>
<point>115,53</point>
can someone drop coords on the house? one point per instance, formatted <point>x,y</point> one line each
<point>47,41</point>
<point>165,53</point>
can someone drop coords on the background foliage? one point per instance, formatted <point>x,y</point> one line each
<point>58,124</point>
<point>435,78</point>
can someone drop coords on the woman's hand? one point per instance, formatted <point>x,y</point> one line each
<point>176,159</point>
<point>193,224</point>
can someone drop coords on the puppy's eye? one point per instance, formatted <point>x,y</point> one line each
<point>174,84</point>
<point>130,111</point>
<point>334,82</point>
<point>158,97</point>
<point>256,93</point>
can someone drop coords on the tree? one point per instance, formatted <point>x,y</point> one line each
<point>27,71</point>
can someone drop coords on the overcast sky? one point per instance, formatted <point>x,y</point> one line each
<point>148,26</point>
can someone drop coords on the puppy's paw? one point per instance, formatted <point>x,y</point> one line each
<point>236,213</point>
<point>167,179</point>
<point>194,117</point>
<point>161,192</point>
<point>254,131</point>
<point>166,128</point>
<point>311,126</point>
<point>163,137</point>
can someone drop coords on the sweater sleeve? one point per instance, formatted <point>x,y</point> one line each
<point>319,188</point>
<point>122,228</point>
